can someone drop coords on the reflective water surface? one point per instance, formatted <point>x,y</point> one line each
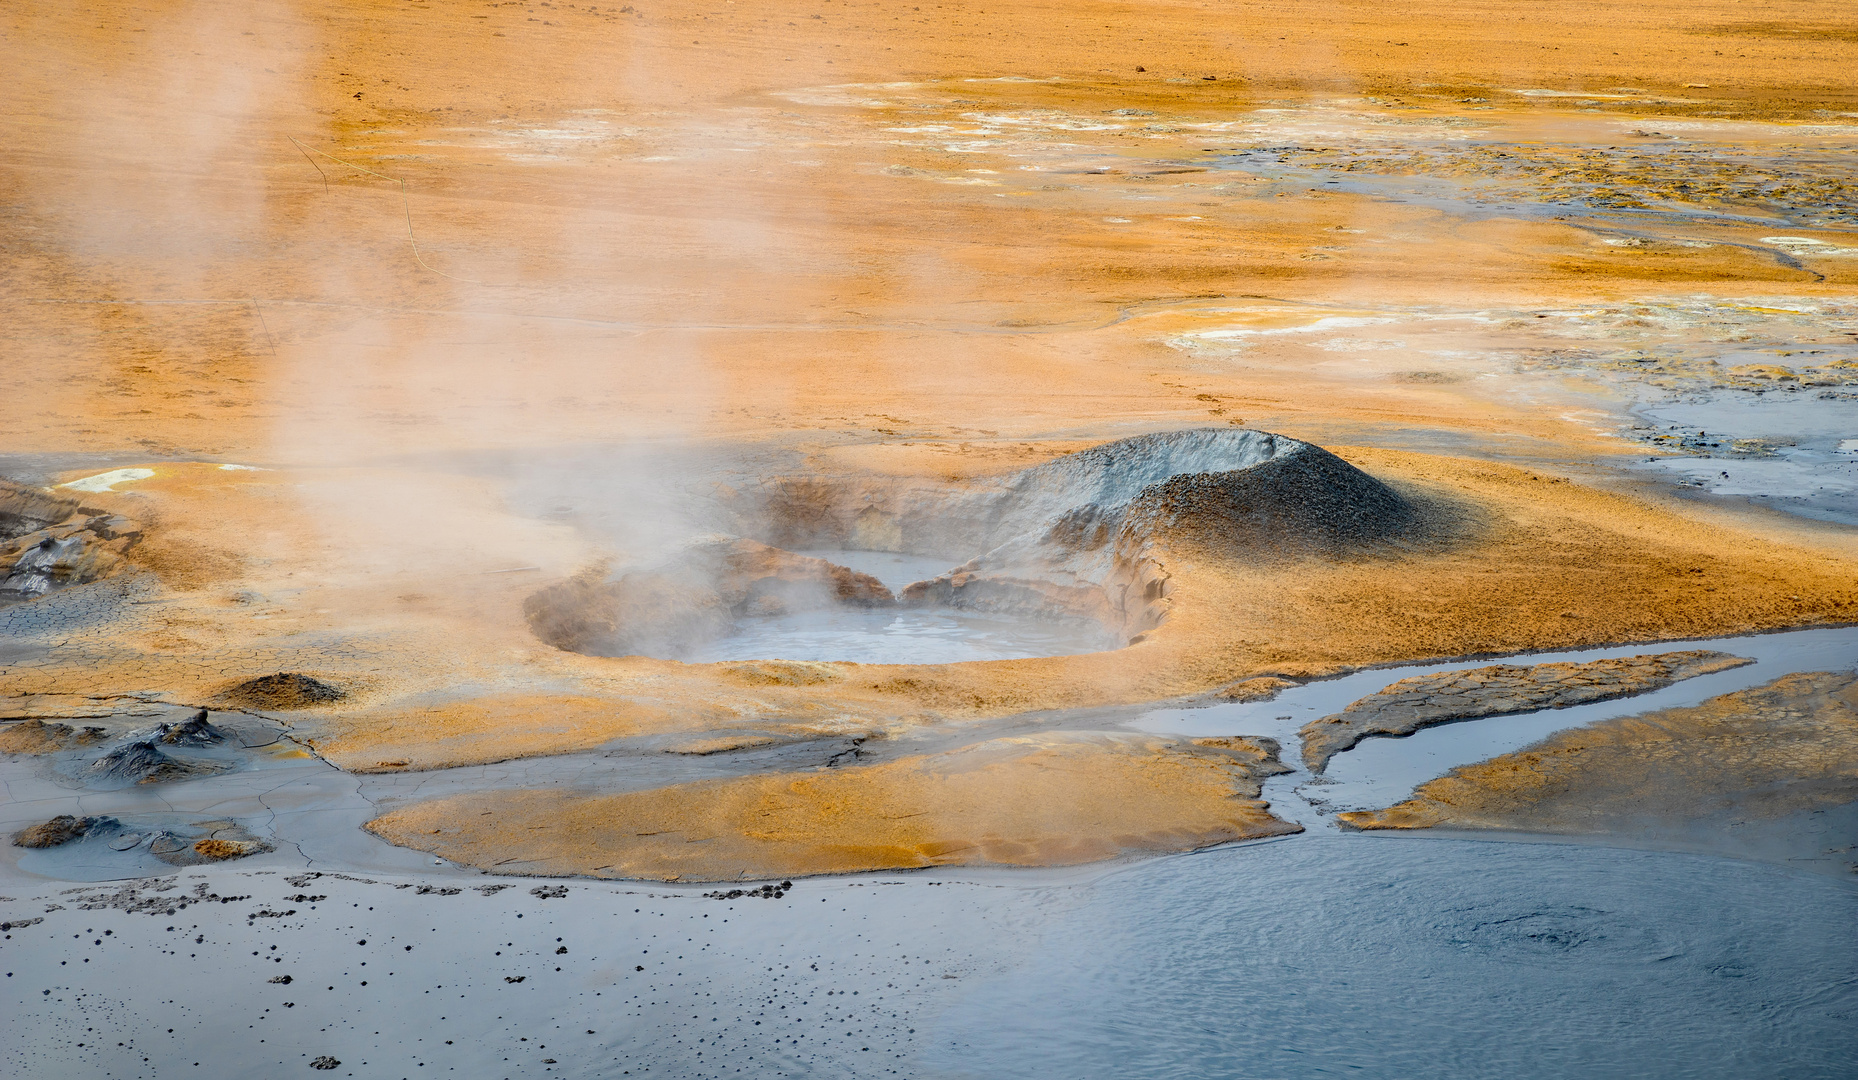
<point>1402,957</point>
<point>908,636</point>
<point>896,636</point>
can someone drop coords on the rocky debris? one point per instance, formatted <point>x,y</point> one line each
<point>18,923</point>
<point>61,830</point>
<point>141,762</point>
<point>549,892</point>
<point>324,1062</point>
<point>285,690</point>
<point>1425,700</point>
<point>766,892</point>
<point>1789,747</point>
<point>48,542</point>
<point>693,596</point>
<point>194,731</point>
<point>39,737</point>
<point>149,896</point>
<point>1052,799</point>
<point>281,980</point>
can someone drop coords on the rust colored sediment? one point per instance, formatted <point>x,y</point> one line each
<point>1782,748</point>
<point>1424,700</point>
<point>1048,801</point>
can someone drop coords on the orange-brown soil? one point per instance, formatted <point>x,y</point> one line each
<point>384,250</point>
<point>444,675</point>
<point>1048,801</point>
<point>1785,748</point>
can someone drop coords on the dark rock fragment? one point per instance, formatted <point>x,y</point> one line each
<point>139,762</point>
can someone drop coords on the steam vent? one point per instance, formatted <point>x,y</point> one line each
<point>857,541</point>
<point>1074,540</point>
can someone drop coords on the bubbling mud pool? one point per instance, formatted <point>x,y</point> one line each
<point>932,635</point>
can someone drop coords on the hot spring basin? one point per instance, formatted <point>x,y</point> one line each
<point>897,636</point>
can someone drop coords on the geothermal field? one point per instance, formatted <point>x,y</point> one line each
<point>1158,539</point>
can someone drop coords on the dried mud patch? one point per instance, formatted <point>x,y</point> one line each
<point>1425,700</point>
<point>1788,747</point>
<point>1032,801</point>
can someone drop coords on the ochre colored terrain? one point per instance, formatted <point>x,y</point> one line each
<point>1421,701</point>
<point>440,674</point>
<point>1041,801</point>
<point>1785,748</point>
<point>409,258</point>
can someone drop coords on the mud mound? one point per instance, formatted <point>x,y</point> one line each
<point>285,690</point>
<point>60,830</point>
<point>48,542</point>
<point>225,840</point>
<point>1076,536</point>
<point>693,597</point>
<point>39,737</point>
<point>1068,541</point>
<point>640,614</point>
<point>139,763</point>
<point>26,509</point>
<point>194,731</point>
<point>1303,500</point>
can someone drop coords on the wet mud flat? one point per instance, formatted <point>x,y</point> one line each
<point>1594,960</point>
<point>337,953</point>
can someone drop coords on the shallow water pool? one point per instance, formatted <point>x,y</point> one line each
<point>897,635</point>
<point>905,636</point>
<point>1396,957</point>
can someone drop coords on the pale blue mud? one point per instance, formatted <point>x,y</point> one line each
<point>1383,957</point>
<point>1315,956</point>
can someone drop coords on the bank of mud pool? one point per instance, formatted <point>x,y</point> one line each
<point>1205,566</point>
